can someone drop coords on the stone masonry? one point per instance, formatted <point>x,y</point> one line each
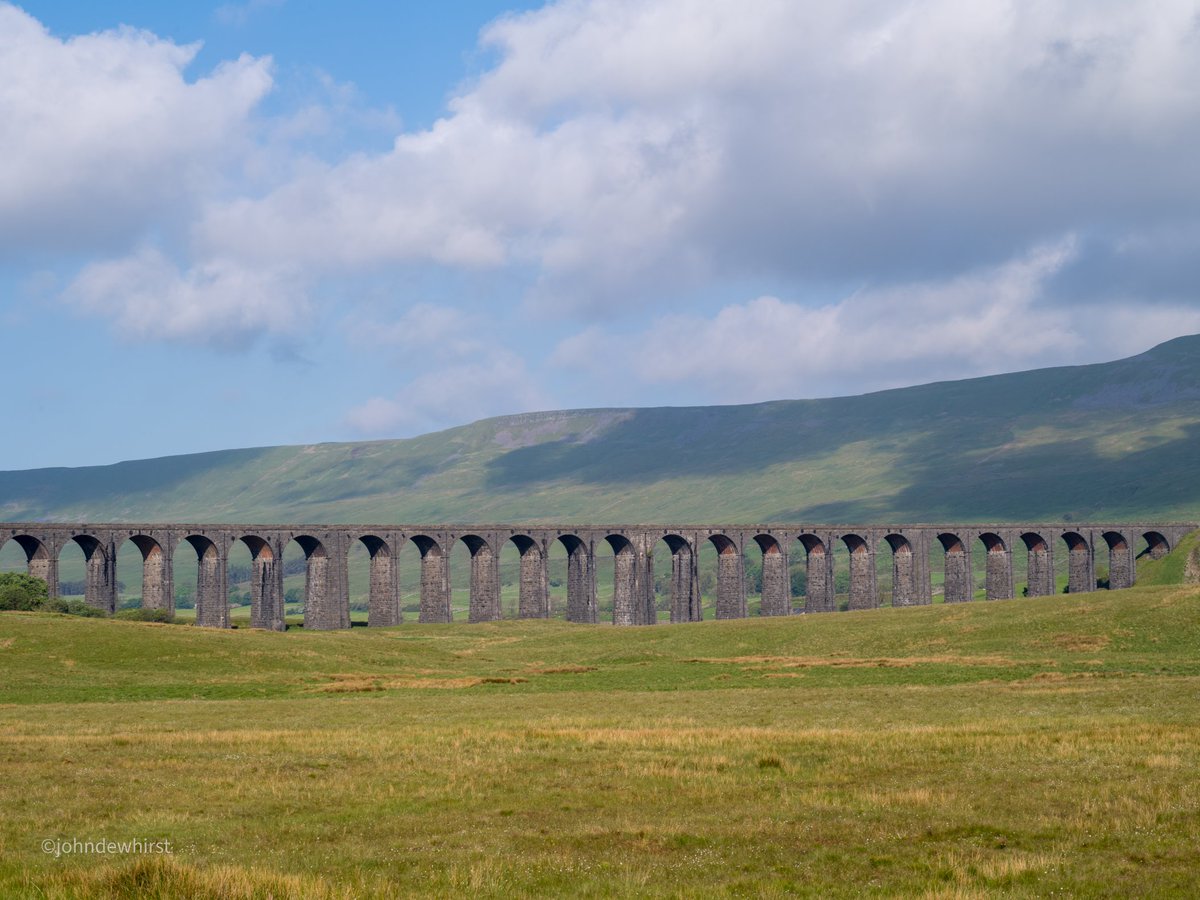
<point>327,547</point>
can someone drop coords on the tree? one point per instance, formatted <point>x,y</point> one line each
<point>19,591</point>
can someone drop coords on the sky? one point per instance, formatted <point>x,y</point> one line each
<point>272,222</point>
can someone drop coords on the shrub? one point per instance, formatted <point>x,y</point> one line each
<point>73,608</point>
<point>145,615</point>
<point>79,608</point>
<point>23,592</point>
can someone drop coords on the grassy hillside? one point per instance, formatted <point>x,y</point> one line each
<point>1026,748</point>
<point>1109,440</point>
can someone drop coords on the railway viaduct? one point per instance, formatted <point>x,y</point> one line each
<point>327,547</point>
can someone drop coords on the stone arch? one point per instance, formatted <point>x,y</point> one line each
<point>776,580</point>
<point>325,606</point>
<point>1081,564</point>
<point>266,584</point>
<point>582,605</point>
<point>435,580</point>
<point>864,593</point>
<point>819,594</point>
<point>1157,546</point>
<point>684,591</point>
<point>156,573</point>
<point>731,578</point>
<point>100,574</point>
<point>533,580</point>
<point>1121,571</point>
<point>998,580</point>
<point>211,600</point>
<point>1039,566</point>
<point>958,584</point>
<point>633,582</point>
<point>485,579</point>
<point>383,591</point>
<point>38,561</point>
<point>904,570</point>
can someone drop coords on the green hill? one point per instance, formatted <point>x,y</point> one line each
<point>1110,440</point>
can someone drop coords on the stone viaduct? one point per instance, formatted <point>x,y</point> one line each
<point>327,547</point>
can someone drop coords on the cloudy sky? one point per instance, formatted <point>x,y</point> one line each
<point>263,222</point>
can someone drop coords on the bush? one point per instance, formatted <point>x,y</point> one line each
<point>145,615</point>
<point>22,592</point>
<point>73,608</point>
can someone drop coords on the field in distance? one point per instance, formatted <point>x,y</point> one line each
<point>1030,747</point>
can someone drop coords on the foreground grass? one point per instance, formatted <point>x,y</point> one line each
<point>1028,747</point>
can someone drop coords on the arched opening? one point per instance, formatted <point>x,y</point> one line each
<point>958,583</point>
<point>901,575</point>
<point>815,581</point>
<point>677,579</point>
<point>99,584</point>
<point>1120,561</point>
<point>775,589</point>
<point>326,600</point>
<point>731,578</point>
<point>483,599</point>
<point>239,578</point>
<point>1039,565</point>
<point>864,593</point>
<point>998,573</point>
<point>1081,573</point>
<point>633,583</point>
<point>532,577</point>
<point>381,596</point>
<point>578,576</point>
<point>148,584</point>
<point>1156,547</point>
<point>255,579</point>
<point>435,580</point>
<point>25,553</point>
<point>207,598</point>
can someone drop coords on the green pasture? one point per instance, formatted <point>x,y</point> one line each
<point>1035,747</point>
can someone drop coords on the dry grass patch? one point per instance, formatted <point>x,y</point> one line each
<point>754,663</point>
<point>1081,643</point>
<point>162,878</point>
<point>352,683</point>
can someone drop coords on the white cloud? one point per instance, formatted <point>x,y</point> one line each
<point>622,147</point>
<point>621,154</point>
<point>984,322</point>
<point>498,382</point>
<point>103,136</point>
<point>217,303</point>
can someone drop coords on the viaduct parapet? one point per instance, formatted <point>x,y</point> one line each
<point>327,548</point>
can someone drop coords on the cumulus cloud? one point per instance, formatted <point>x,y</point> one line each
<point>218,303</point>
<point>103,136</point>
<point>982,169</point>
<point>983,322</point>
<point>623,146</point>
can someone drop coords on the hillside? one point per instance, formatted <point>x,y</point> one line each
<point>1109,440</point>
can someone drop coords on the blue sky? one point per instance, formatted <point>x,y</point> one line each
<point>227,225</point>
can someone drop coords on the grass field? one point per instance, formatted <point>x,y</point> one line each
<point>1042,747</point>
